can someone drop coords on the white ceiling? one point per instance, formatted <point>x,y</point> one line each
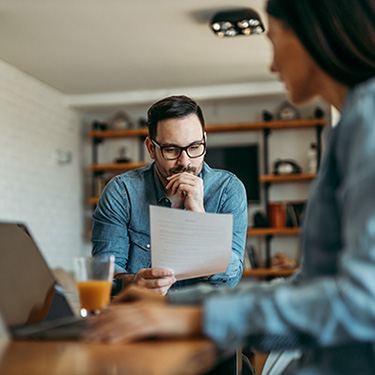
<point>83,47</point>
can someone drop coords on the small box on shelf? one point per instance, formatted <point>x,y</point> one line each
<point>277,214</point>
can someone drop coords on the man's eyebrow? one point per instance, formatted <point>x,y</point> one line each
<point>168,145</point>
<point>174,145</point>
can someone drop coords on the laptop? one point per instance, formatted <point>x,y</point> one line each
<point>32,304</point>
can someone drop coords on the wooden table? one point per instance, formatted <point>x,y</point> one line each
<point>156,357</point>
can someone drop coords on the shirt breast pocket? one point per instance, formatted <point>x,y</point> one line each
<point>140,251</point>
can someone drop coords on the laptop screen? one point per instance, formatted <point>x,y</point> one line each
<point>27,292</point>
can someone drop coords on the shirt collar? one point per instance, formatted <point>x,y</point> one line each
<point>161,198</point>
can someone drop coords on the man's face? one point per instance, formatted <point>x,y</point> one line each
<point>176,132</point>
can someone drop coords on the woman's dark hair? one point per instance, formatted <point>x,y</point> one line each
<point>172,107</point>
<point>338,34</point>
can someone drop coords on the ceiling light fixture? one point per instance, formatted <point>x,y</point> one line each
<point>237,22</point>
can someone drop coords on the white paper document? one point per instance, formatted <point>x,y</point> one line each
<point>192,244</point>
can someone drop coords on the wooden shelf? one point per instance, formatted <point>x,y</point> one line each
<point>246,126</point>
<point>124,133</point>
<point>295,177</point>
<point>211,128</point>
<point>259,232</point>
<point>217,128</point>
<point>116,166</point>
<point>261,272</point>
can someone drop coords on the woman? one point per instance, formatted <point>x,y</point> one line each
<point>321,48</point>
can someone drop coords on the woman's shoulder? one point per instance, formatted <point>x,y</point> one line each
<point>359,109</point>
<point>361,97</point>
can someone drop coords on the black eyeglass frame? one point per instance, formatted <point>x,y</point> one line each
<point>186,149</point>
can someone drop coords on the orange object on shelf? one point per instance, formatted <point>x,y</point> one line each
<point>277,214</point>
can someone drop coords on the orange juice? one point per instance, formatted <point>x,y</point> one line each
<point>94,294</point>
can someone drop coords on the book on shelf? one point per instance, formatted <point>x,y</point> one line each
<point>251,259</point>
<point>99,185</point>
<point>294,213</point>
<point>291,217</point>
<point>299,209</point>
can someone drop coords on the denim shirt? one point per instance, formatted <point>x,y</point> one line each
<point>121,222</point>
<point>328,308</point>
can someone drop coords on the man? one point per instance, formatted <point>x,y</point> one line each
<point>177,178</point>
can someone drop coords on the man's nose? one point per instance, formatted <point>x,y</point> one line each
<point>184,159</point>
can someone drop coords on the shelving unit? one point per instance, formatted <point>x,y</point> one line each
<point>271,178</point>
<point>266,272</point>
<point>116,166</point>
<point>259,232</point>
<point>267,179</point>
<point>98,136</point>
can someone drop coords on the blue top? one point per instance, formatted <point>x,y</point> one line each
<point>121,220</point>
<point>328,308</point>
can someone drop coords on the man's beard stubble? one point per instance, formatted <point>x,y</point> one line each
<point>180,169</point>
<point>190,169</point>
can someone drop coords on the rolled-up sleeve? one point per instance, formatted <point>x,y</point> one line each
<point>110,225</point>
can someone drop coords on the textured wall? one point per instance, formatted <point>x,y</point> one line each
<point>34,188</point>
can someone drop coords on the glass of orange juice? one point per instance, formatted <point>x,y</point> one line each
<point>94,281</point>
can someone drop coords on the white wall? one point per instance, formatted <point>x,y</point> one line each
<point>34,188</point>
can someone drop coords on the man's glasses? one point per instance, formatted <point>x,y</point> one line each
<point>195,150</point>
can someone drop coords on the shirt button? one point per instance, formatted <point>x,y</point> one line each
<point>148,246</point>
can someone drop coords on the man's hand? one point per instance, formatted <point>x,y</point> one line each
<point>128,322</point>
<point>158,280</point>
<point>187,186</point>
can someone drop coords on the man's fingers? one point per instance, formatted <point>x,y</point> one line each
<point>156,283</point>
<point>152,273</point>
<point>159,280</point>
<point>173,186</point>
<point>184,190</point>
<point>178,179</point>
<point>185,187</point>
<point>161,291</point>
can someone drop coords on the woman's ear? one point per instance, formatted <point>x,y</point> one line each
<point>150,147</point>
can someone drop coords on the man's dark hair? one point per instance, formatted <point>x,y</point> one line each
<point>172,107</point>
<point>339,35</point>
